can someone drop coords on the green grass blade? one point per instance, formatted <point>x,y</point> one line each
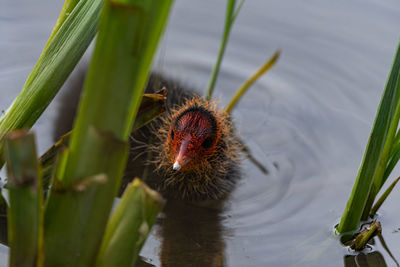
<point>382,199</point>
<point>25,221</point>
<point>396,141</point>
<point>129,32</point>
<point>378,149</point>
<point>57,61</point>
<point>393,159</point>
<point>379,176</point>
<point>66,10</point>
<point>237,11</point>
<point>245,86</point>
<point>129,225</point>
<point>229,19</point>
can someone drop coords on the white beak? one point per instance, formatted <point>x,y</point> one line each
<point>176,166</point>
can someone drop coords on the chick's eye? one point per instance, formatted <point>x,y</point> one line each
<point>207,143</point>
<point>172,135</point>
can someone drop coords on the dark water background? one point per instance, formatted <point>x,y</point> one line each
<point>307,120</point>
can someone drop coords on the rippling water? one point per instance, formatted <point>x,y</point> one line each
<point>307,120</point>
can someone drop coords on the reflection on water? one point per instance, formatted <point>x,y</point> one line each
<point>373,259</point>
<point>191,235</point>
<point>307,120</point>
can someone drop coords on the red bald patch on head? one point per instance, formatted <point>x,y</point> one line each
<point>193,137</point>
<point>194,122</point>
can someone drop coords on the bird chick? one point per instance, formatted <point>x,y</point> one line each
<point>190,153</point>
<point>197,151</point>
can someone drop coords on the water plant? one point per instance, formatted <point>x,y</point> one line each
<point>67,229</point>
<point>74,30</point>
<point>246,85</point>
<point>231,13</point>
<point>381,155</point>
<point>98,143</point>
<point>25,217</point>
<point>72,226</point>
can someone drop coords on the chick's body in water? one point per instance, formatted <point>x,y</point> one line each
<point>190,153</point>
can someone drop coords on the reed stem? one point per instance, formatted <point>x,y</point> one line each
<point>230,16</point>
<point>75,220</point>
<point>382,199</point>
<point>367,234</point>
<point>25,214</point>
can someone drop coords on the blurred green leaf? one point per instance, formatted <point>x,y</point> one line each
<point>129,225</point>
<point>75,221</point>
<point>63,51</point>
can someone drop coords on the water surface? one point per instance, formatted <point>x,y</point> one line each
<point>307,121</point>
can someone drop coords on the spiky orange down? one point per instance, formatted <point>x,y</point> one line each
<point>210,176</point>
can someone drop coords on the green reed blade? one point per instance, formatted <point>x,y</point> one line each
<point>129,225</point>
<point>237,11</point>
<point>379,176</point>
<point>229,19</point>
<point>382,199</point>
<point>377,152</point>
<point>66,10</point>
<point>67,44</point>
<point>25,214</point>
<point>129,32</point>
<point>393,159</point>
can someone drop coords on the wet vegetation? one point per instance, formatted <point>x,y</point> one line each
<point>59,204</point>
<point>66,228</point>
<point>381,155</point>
<point>85,167</point>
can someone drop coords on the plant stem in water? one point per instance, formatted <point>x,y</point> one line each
<point>245,86</point>
<point>229,19</point>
